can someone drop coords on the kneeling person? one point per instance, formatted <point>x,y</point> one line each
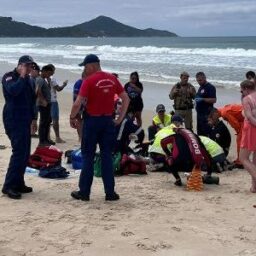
<point>124,132</point>
<point>183,151</point>
<point>217,155</point>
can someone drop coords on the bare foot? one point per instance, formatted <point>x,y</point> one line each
<point>59,140</point>
<point>253,190</point>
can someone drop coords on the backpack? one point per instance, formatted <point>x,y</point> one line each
<point>116,164</point>
<point>56,172</point>
<point>45,157</point>
<point>76,159</point>
<point>130,165</point>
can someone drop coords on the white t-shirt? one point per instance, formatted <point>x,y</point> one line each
<point>53,83</point>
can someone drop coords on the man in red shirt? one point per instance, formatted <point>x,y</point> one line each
<point>97,94</point>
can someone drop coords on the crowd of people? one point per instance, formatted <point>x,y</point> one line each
<point>109,115</point>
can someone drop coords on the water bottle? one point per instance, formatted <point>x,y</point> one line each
<point>30,170</point>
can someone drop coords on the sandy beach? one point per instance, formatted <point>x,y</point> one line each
<point>153,216</point>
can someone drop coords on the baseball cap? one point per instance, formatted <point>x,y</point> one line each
<point>35,66</point>
<point>160,107</point>
<point>177,118</point>
<point>90,58</point>
<point>26,59</point>
<point>184,73</point>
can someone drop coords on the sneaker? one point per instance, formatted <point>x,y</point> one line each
<point>112,197</point>
<point>78,196</point>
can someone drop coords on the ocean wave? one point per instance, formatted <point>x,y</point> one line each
<point>102,49</point>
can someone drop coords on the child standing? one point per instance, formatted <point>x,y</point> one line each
<point>248,142</point>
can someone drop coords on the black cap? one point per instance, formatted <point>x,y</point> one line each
<point>26,59</point>
<point>177,118</point>
<point>90,58</point>
<point>35,66</point>
<point>160,108</point>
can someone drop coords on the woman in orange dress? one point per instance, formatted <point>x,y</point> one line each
<point>248,141</point>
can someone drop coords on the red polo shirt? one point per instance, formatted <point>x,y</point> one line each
<point>99,90</point>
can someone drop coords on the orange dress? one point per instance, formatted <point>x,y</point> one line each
<point>248,140</point>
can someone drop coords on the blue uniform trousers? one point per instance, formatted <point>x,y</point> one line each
<point>203,128</point>
<point>19,135</point>
<point>97,130</point>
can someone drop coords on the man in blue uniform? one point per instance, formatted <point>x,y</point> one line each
<point>18,115</point>
<point>205,98</point>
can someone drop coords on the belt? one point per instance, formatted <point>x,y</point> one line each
<point>101,115</point>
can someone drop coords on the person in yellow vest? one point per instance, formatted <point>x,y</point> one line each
<point>216,153</point>
<point>160,120</point>
<point>155,150</point>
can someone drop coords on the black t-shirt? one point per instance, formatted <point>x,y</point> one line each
<point>221,135</point>
<point>135,97</point>
<point>205,91</point>
<point>133,94</point>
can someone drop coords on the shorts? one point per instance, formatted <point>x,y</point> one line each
<point>55,110</point>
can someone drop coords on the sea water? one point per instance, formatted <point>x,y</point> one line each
<point>159,61</point>
<point>225,60</point>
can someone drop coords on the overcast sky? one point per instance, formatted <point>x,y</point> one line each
<point>184,17</point>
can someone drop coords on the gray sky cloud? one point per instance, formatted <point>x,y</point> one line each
<point>185,17</point>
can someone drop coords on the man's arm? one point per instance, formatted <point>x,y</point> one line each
<point>165,142</point>
<point>39,93</point>
<point>125,103</point>
<point>12,87</point>
<point>59,88</point>
<point>75,110</point>
<point>192,91</point>
<point>210,100</point>
<point>211,96</point>
<point>174,91</point>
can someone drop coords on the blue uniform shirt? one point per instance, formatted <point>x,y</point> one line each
<point>76,88</point>
<point>205,91</point>
<point>19,98</point>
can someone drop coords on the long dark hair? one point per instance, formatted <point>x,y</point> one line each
<point>135,73</point>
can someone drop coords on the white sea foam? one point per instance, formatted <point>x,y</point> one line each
<point>155,64</point>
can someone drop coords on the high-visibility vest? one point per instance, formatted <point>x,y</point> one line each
<point>163,133</point>
<point>212,147</point>
<point>159,123</point>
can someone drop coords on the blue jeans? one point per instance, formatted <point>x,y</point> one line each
<point>55,110</point>
<point>97,130</point>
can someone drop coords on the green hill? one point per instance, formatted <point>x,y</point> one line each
<point>99,27</point>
